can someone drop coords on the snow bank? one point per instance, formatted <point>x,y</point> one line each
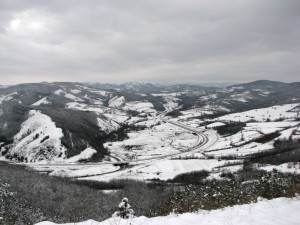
<point>280,211</point>
<point>84,155</point>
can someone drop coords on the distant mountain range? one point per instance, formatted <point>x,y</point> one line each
<point>55,121</point>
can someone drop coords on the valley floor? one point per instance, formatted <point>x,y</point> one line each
<point>280,211</point>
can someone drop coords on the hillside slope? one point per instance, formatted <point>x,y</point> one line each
<point>88,115</point>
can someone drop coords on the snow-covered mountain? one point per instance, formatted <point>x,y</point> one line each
<point>55,121</point>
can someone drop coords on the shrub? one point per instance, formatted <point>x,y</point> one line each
<point>230,128</point>
<point>267,137</point>
<point>174,113</point>
<point>222,193</point>
<point>195,177</point>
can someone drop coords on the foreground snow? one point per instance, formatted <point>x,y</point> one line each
<point>280,211</point>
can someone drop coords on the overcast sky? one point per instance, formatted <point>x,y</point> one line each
<point>149,40</point>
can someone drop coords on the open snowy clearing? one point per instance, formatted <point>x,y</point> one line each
<point>168,169</point>
<point>42,101</point>
<point>244,142</point>
<point>75,170</point>
<point>159,141</point>
<point>280,211</point>
<point>271,113</point>
<point>290,167</point>
<point>162,169</point>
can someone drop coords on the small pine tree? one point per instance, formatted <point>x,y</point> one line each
<point>124,210</point>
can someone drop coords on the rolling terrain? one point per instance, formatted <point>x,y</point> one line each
<point>152,127</point>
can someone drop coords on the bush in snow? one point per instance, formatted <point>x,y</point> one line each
<point>124,210</point>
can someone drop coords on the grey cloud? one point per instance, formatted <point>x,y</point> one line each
<point>152,41</point>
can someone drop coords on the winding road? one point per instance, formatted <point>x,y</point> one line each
<point>206,139</point>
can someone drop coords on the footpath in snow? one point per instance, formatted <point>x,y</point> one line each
<point>280,211</point>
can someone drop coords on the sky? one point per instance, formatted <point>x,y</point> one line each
<point>157,41</point>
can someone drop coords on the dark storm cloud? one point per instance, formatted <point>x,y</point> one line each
<point>151,41</point>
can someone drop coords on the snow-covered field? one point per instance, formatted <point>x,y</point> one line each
<point>291,167</point>
<point>76,170</point>
<point>156,141</point>
<point>244,142</point>
<point>278,112</point>
<point>141,107</point>
<point>168,169</point>
<point>280,211</point>
<point>82,171</point>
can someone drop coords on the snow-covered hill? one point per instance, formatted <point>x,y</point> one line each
<point>38,140</point>
<point>96,115</point>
